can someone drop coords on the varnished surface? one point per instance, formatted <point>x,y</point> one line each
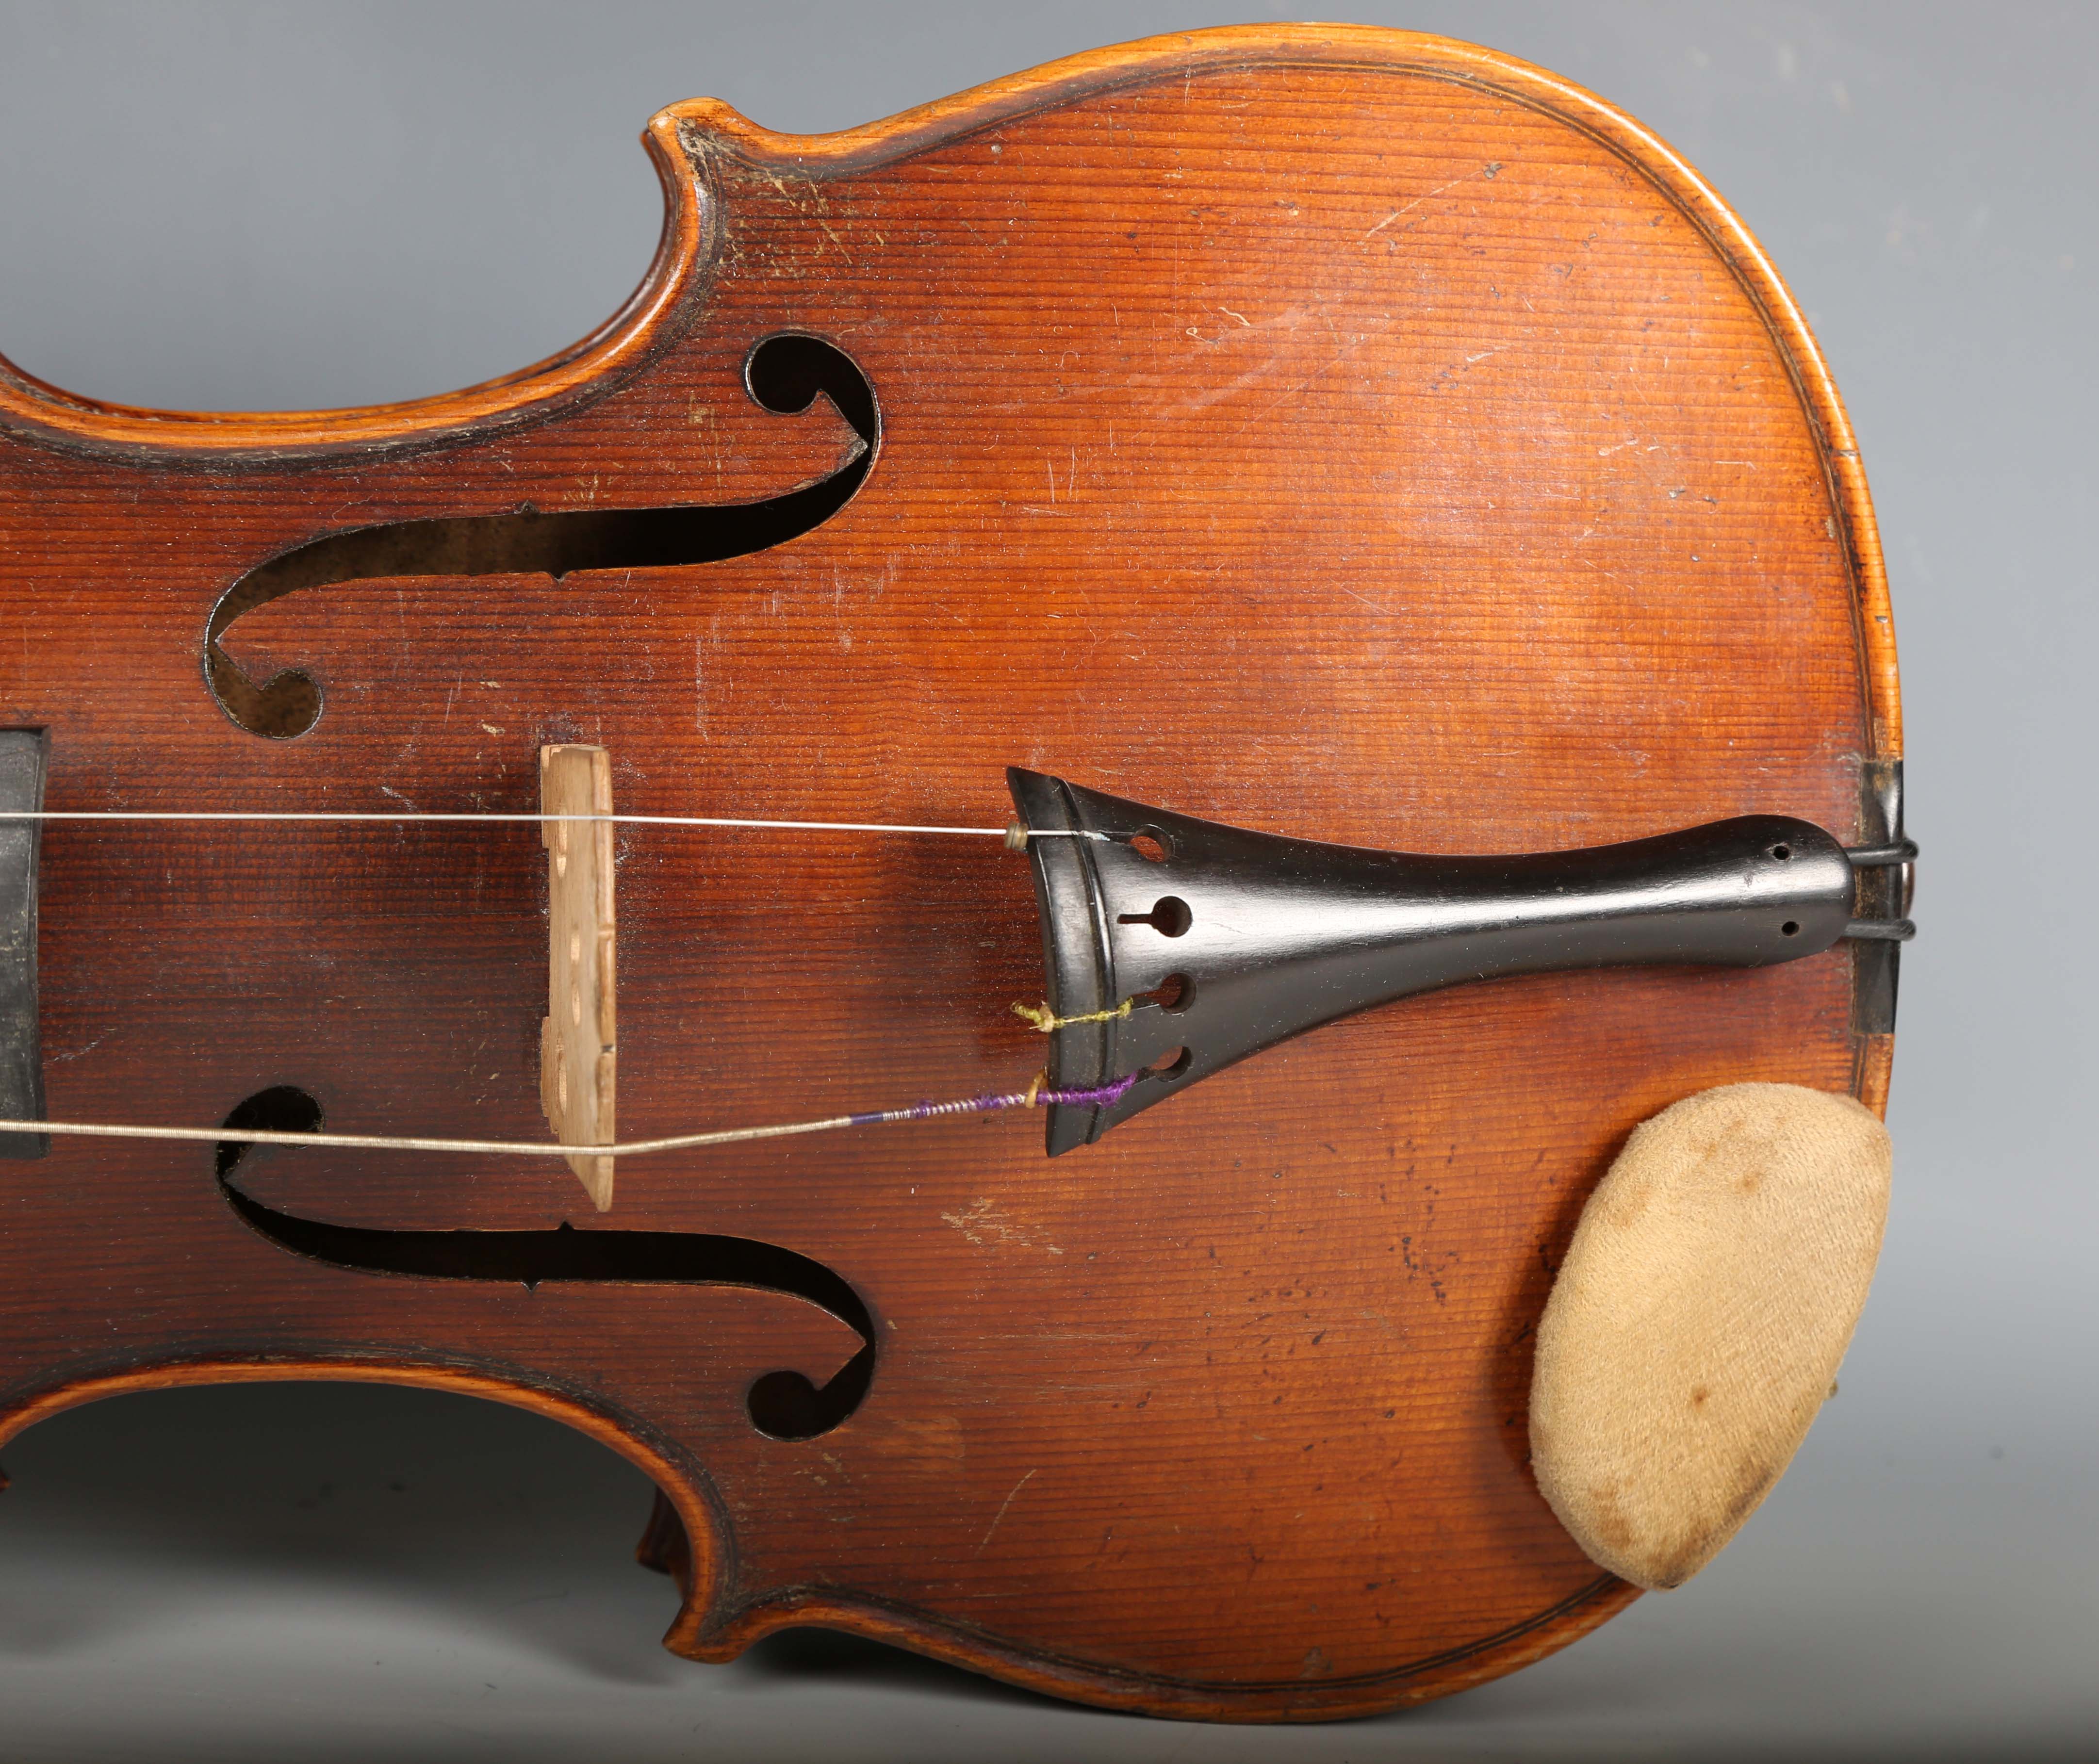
<point>1333,432</point>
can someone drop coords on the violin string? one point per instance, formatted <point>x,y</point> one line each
<point>1038,1095</point>
<point>623,821</point>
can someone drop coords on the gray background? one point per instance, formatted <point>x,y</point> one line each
<point>248,206</point>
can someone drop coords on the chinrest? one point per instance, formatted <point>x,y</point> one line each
<point>1696,1326</point>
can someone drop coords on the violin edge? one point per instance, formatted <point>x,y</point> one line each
<point>1128,1691</point>
<point>681,137</point>
<point>1143,60</point>
<point>675,281</point>
<point>692,1542</point>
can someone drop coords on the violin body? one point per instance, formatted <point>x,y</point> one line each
<point>1334,432</point>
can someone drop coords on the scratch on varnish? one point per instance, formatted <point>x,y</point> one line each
<point>1427,196</point>
<point>987,1216</point>
<point>991,1530</point>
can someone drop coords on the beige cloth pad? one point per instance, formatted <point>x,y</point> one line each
<point>1697,1324</point>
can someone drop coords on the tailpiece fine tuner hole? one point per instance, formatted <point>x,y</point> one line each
<point>782,374</point>
<point>1169,916</point>
<point>1175,993</point>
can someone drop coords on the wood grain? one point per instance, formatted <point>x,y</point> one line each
<point>1334,432</point>
<point>579,1036</point>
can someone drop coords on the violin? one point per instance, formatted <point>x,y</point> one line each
<point>1322,564</point>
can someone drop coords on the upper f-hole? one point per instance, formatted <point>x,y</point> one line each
<point>783,374</point>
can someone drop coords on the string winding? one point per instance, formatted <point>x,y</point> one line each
<point>1036,1095</point>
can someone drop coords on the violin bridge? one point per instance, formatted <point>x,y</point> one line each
<point>577,1035</point>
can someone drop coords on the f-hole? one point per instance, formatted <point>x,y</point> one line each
<point>783,374</point>
<point>784,1405</point>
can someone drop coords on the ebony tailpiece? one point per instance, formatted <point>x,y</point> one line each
<point>1226,942</point>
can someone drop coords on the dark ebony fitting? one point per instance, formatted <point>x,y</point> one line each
<point>1229,942</point>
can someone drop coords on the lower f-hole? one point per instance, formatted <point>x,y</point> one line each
<point>281,1109</point>
<point>782,1405</point>
<point>786,1405</point>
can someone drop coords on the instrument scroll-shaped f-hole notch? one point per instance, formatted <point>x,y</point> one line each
<point>783,374</point>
